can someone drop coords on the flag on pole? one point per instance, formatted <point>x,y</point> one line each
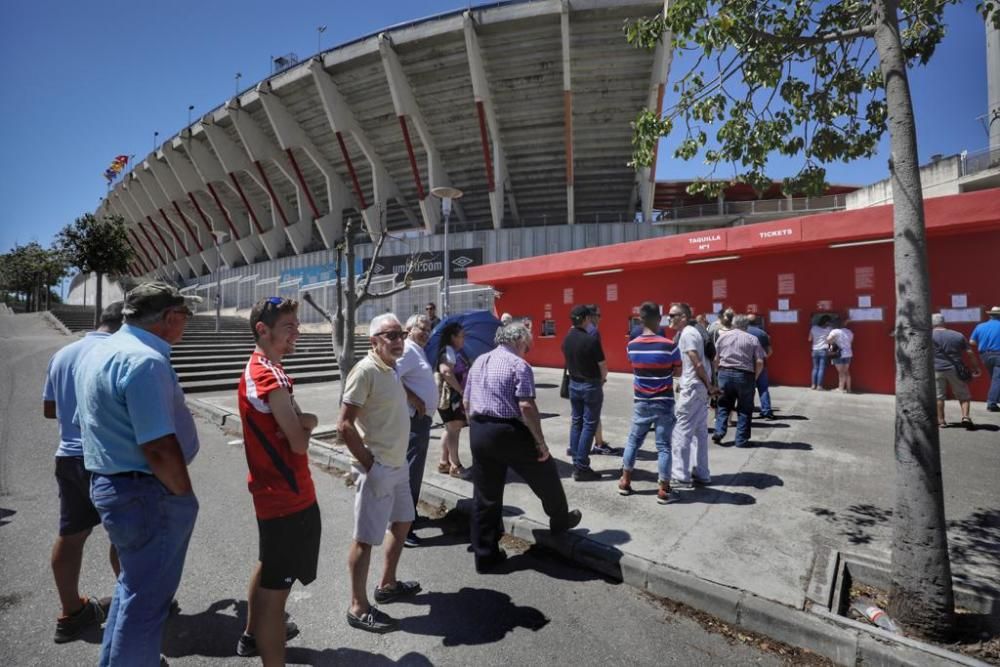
<point>116,167</point>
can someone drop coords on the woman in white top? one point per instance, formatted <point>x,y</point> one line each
<point>843,338</point>
<point>817,338</point>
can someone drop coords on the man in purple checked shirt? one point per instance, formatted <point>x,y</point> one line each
<point>505,430</point>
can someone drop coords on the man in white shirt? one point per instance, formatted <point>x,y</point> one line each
<point>421,396</point>
<point>691,393</point>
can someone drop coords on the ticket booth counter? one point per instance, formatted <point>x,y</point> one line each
<point>785,270</point>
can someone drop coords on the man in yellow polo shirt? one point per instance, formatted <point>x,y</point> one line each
<point>375,424</point>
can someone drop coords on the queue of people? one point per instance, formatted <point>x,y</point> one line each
<point>127,439</point>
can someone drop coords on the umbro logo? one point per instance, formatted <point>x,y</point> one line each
<point>462,261</point>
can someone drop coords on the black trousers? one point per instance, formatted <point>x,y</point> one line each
<point>496,446</point>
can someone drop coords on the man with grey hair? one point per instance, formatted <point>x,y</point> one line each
<point>421,394</point>
<point>950,371</point>
<point>505,430</point>
<point>374,423</point>
<point>138,440</point>
<point>741,359</point>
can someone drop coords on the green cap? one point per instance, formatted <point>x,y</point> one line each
<point>153,297</point>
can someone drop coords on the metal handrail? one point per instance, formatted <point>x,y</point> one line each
<point>754,207</point>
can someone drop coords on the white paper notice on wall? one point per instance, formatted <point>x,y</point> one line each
<point>865,314</point>
<point>782,304</point>
<point>716,307</point>
<point>959,301</point>
<point>784,317</point>
<point>719,290</point>
<point>864,301</point>
<point>961,314</point>
<point>786,283</point>
<point>612,291</point>
<point>568,295</point>
<point>864,277</point>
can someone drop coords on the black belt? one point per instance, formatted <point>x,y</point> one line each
<point>496,420</point>
<point>130,474</point>
<point>588,380</point>
<point>730,368</point>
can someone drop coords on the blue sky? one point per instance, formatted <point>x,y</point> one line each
<point>85,81</point>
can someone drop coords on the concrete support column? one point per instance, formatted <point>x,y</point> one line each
<point>567,111</point>
<point>646,176</point>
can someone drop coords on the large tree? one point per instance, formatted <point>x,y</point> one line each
<point>32,270</point>
<point>99,246</point>
<point>824,80</point>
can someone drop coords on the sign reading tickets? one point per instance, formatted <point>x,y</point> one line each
<point>430,264</point>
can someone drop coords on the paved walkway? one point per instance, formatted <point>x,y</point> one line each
<point>822,473</point>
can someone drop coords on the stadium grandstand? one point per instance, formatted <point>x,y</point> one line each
<point>524,106</point>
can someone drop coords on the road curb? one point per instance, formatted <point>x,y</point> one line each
<point>844,641</point>
<point>213,413</point>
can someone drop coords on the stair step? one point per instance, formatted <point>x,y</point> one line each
<point>200,386</point>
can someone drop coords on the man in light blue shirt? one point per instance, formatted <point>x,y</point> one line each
<point>985,339</point>
<point>77,515</point>
<point>138,437</point>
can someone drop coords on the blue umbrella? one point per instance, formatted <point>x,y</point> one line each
<point>480,328</point>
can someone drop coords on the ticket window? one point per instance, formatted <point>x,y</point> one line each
<point>548,329</point>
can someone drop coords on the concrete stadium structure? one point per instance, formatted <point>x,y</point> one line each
<point>525,106</point>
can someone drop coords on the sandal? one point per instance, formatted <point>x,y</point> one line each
<point>444,468</point>
<point>457,471</point>
<point>967,423</point>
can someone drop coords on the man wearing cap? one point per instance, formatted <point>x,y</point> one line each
<point>985,339</point>
<point>138,439</point>
<point>77,515</point>
<point>588,371</point>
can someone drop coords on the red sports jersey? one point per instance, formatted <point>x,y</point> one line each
<point>279,479</point>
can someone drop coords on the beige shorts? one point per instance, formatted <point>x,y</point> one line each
<point>959,389</point>
<point>383,497</point>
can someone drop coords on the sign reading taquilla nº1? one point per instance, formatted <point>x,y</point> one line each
<point>430,263</point>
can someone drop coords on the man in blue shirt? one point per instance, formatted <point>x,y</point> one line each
<point>138,438</point>
<point>763,388</point>
<point>77,515</point>
<point>985,339</point>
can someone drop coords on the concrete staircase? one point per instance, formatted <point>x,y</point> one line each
<point>208,361</point>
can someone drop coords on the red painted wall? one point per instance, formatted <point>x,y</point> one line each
<point>960,263</point>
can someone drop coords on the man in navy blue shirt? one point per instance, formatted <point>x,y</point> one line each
<point>763,389</point>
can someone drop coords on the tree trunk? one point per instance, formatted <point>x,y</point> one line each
<point>347,315</point>
<point>98,294</point>
<point>921,597</point>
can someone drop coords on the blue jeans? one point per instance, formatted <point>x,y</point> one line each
<point>737,391</point>
<point>586,399</point>
<point>819,367</point>
<point>763,389</point>
<point>661,415</point>
<point>992,361</point>
<point>416,453</point>
<point>151,529</point>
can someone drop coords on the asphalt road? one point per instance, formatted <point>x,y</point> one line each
<point>542,610</point>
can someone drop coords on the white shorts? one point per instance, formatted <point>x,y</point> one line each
<point>383,497</point>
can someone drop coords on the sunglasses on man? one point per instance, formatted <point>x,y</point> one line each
<point>393,335</point>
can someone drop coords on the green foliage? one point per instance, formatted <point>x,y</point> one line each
<point>97,244</point>
<point>792,78</point>
<point>31,269</point>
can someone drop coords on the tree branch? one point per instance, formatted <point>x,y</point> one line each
<point>809,40</point>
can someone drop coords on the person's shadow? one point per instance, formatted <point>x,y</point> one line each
<point>213,632</point>
<point>352,657</point>
<point>471,616</point>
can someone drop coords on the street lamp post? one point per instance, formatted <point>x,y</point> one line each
<point>220,238</point>
<point>446,195</point>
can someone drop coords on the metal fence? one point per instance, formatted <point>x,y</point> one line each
<point>754,207</point>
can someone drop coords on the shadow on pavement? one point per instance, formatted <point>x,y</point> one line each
<point>5,515</point>
<point>350,656</point>
<point>212,633</point>
<point>711,496</point>
<point>471,616</point>
<point>773,444</point>
<point>757,480</point>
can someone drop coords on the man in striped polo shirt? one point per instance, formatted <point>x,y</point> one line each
<point>655,362</point>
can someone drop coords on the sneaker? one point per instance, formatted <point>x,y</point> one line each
<point>400,589</point>
<point>602,448</point>
<point>701,482</point>
<point>663,496</point>
<point>373,620</point>
<point>412,540</point>
<point>71,627</point>
<point>993,407</point>
<point>586,475</point>
<point>246,647</point>
<point>717,439</point>
<point>769,416</point>
<point>624,488</point>
<point>681,485</point>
